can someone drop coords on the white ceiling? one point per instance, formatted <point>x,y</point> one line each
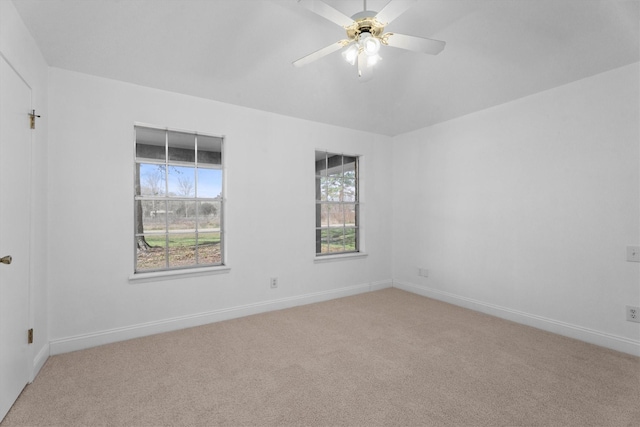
<point>240,52</point>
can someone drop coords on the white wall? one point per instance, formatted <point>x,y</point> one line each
<point>270,214</point>
<point>21,51</point>
<point>525,210</point>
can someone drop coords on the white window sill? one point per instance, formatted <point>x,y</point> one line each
<point>341,257</point>
<point>187,272</point>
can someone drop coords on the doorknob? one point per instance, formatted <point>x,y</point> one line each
<point>6,259</point>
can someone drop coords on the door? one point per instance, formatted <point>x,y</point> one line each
<point>15,218</point>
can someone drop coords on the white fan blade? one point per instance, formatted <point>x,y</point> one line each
<point>322,52</point>
<point>365,71</point>
<point>392,10</point>
<point>327,12</point>
<point>416,44</point>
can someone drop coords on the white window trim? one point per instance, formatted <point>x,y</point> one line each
<point>172,274</point>
<point>339,257</point>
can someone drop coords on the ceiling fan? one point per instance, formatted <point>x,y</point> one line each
<point>365,35</point>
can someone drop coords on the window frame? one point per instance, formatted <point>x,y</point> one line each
<point>341,203</point>
<point>166,197</point>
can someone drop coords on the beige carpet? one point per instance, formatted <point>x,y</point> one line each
<point>381,358</point>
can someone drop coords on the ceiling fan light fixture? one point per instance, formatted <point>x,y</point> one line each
<point>373,60</point>
<point>351,54</point>
<point>369,43</point>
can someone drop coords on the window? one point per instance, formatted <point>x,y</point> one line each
<point>178,200</point>
<point>336,203</point>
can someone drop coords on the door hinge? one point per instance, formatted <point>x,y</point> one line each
<point>30,336</point>
<point>32,119</point>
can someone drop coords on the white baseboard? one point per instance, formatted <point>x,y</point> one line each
<point>39,360</point>
<point>591,336</point>
<point>80,342</point>
<point>378,286</point>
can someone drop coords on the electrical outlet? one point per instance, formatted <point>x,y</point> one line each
<point>633,253</point>
<point>274,282</point>
<point>633,314</point>
<point>423,272</point>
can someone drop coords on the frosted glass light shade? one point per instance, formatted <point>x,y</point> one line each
<point>351,54</point>
<point>370,44</point>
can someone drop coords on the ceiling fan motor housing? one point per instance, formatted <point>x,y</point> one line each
<point>364,22</point>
